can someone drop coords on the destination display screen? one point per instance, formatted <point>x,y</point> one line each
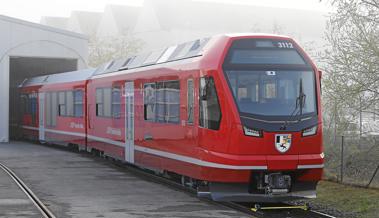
<point>266,52</point>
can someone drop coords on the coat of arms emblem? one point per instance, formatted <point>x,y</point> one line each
<point>283,142</point>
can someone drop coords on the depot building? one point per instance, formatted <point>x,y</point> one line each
<point>27,50</point>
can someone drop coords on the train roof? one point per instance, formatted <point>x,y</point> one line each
<point>168,54</point>
<point>73,76</point>
<point>181,51</point>
<point>34,81</point>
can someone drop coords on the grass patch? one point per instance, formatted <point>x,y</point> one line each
<point>359,201</point>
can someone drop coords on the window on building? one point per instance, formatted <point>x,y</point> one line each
<point>62,104</point>
<point>210,113</point>
<point>78,103</point>
<point>190,101</point>
<point>116,102</point>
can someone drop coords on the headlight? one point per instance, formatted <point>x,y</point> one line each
<point>252,132</point>
<point>309,131</point>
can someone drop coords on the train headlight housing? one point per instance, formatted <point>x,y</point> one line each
<point>252,132</point>
<point>309,131</point>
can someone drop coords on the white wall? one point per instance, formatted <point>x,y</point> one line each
<point>21,38</point>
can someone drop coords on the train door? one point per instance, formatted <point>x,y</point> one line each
<point>129,122</point>
<point>41,108</point>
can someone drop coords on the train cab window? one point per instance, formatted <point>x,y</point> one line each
<point>78,103</point>
<point>116,102</point>
<point>190,101</point>
<point>149,101</point>
<point>62,104</point>
<point>210,112</point>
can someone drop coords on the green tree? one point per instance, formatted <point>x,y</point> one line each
<point>104,49</point>
<point>351,62</point>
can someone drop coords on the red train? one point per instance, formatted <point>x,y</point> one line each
<point>236,116</point>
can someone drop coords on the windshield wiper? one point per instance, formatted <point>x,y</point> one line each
<point>299,103</point>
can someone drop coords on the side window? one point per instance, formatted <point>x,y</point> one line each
<point>104,102</point>
<point>48,108</point>
<point>107,102</point>
<point>33,107</point>
<point>149,101</point>
<point>116,102</point>
<point>69,103</point>
<point>62,104</point>
<point>210,113</point>
<point>99,103</point>
<point>190,101</point>
<point>78,103</point>
<point>54,108</point>
<point>24,104</point>
<point>171,101</point>
<point>162,102</point>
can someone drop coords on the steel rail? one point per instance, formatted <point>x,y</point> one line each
<point>36,201</point>
<point>241,207</point>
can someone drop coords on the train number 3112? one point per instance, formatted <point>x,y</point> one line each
<point>285,45</point>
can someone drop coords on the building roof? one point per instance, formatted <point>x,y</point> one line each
<point>42,27</point>
<point>57,22</point>
<point>87,22</point>
<point>125,16</point>
<point>223,17</point>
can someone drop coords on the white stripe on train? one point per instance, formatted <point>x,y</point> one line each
<point>170,155</point>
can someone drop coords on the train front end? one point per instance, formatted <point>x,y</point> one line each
<point>275,123</point>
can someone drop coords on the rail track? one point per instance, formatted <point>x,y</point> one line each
<point>247,208</point>
<point>45,212</point>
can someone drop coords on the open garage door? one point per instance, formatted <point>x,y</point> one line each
<point>21,68</point>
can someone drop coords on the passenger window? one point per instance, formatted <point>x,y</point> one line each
<point>54,108</point>
<point>33,107</point>
<point>78,103</point>
<point>69,104</point>
<point>116,102</point>
<point>210,113</point>
<point>107,102</point>
<point>149,101</point>
<point>99,103</point>
<point>62,104</point>
<point>48,109</point>
<point>190,101</point>
<point>171,102</point>
<point>162,102</point>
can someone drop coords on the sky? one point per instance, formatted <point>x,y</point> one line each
<point>33,10</point>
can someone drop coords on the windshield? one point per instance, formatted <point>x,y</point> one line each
<point>272,93</point>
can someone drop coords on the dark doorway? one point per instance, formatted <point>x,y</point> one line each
<point>21,68</point>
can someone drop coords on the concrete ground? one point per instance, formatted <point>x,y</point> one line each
<point>75,185</point>
<point>13,201</point>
